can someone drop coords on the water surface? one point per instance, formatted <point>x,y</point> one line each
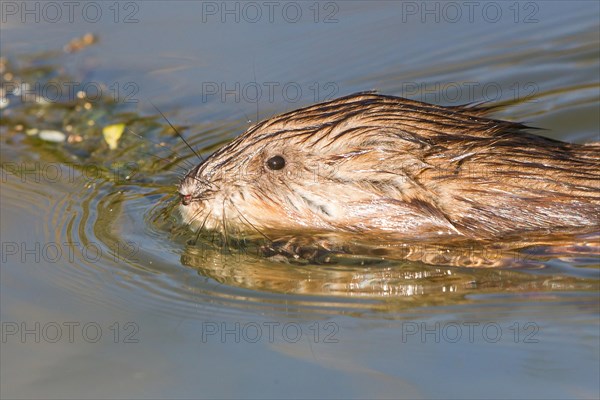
<point>128,304</point>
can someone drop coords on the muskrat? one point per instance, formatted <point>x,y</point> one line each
<point>379,165</point>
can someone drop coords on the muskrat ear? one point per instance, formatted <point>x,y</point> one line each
<point>276,163</point>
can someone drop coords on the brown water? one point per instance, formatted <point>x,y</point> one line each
<point>104,294</point>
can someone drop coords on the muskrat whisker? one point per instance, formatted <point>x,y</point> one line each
<point>226,234</point>
<point>205,219</point>
<point>254,74</point>
<point>197,213</point>
<point>195,242</point>
<point>250,223</point>
<point>166,160</point>
<point>177,132</point>
<point>201,226</point>
<point>164,146</point>
<point>200,198</point>
<point>204,182</point>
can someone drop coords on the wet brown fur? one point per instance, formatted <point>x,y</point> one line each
<point>370,163</point>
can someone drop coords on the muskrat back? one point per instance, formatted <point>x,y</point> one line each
<point>387,166</point>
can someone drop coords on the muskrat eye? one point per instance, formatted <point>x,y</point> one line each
<point>276,162</point>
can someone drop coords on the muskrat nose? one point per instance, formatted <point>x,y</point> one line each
<point>186,199</point>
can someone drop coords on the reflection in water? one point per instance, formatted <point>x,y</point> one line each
<point>433,273</point>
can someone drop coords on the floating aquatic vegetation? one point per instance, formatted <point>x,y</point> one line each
<point>45,104</point>
<point>112,134</point>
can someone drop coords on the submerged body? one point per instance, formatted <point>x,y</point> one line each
<point>387,166</point>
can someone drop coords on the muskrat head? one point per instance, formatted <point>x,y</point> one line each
<point>337,166</point>
<point>256,182</point>
<point>379,164</point>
